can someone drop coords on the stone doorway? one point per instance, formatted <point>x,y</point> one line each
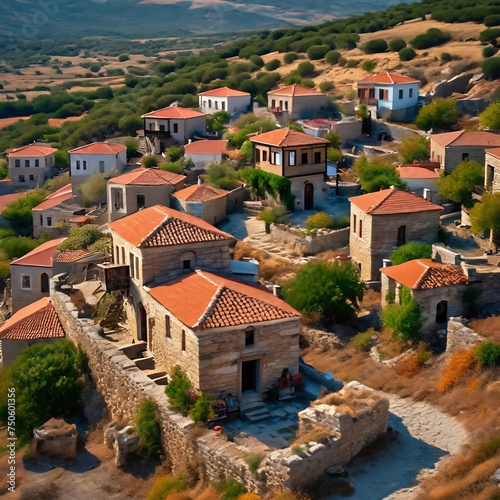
<point>442,312</point>
<point>308,196</point>
<point>142,334</point>
<point>250,376</point>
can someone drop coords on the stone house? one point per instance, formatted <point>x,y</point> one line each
<point>201,153</point>
<point>437,287</point>
<point>173,125</point>
<point>392,97</point>
<point>141,188</point>
<point>232,101</point>
<point>452,148</point>
<point>50,212</point>
<point>299,157</point>
<point>382,221</point>
<point>98,157</point>
<point>492,170</point>
<point>30,166</point>
<point>294,102</point>
<point>205,201</point>
<point>36,323</point>
<point>419,179</point>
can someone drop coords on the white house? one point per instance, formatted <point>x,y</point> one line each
<point>394,97</point>
<point>233,101</point>
<point>29,166</point>
<point>98,157</point>
<point>419,179</point>
<point>296,101</point>
<point>203,152</point>
<point>173,125</point>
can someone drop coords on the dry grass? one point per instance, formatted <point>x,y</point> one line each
<point>314,434</point>
<point>353,401</point>
<point>408,367</point>
<point>456,369</point>
<point>488,327</point>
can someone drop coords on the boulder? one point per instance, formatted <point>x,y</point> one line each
<point>56,438</point>
<point>124,441</point>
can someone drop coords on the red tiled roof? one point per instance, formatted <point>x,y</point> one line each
<point>148,177</point>
<point>286,137</point>
<point>392,201</point>
<point>413,172</point>
<point>485,138</point>
<point>63,194</point>
<point>161,226</point>
<point>203,300</point>
<point>80,219</point>
<point>73,255</point>
<point>172,112</point>
<point>36,321</point>
<point>388,78</point>
<point>31,151</point>
<point>99,148</point>
<point>493,152</point>
<point>206,147</point>
<point>224,92</point>
<point>41,256</point>
<point>293,90</point>
<point>422,274</point>
<point>200,192</point>
<point>5,199</point>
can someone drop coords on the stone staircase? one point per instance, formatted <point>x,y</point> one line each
<point>146,146</point>
<point>253,410</point>
<point>137,352</point>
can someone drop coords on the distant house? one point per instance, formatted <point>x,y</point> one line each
<point>173,125</point>
<point>419,179</point>
<point>30,166</point>
<point>348,129</point>
<point>297,156</point>
<point>98,157</point>
<point>452,148</point>
<point>49,213</point>
<point>394,97</point>
<point>141,188</point>
<point>204,201</point>
<point>233,101</point>
<point>437,287</point>
<point>382,221</point>
<point>37,323</point>
<point>295,101</point>
<point>201,153</point>
<point>492,170</point>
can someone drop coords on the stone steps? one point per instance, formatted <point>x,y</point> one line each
<point>254,411</point>
<point>146,363</point>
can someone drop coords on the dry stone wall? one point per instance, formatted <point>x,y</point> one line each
<point>460,336</point>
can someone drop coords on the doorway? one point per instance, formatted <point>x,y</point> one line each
<point>44,283</point>
<point>142,334</point>
<point>308,196</point>
<point>442,312</point>
<point>250,375</point>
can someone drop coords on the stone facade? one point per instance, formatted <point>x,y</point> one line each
<point>213,211</point>
<point>450,156</point>
<point>30,171</point>
<point>293,107</point>
<point>492,172</point>
<point>460,336</point>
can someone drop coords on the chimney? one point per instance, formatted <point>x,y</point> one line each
<point>277,291</point>
<point>386,263</point>
<point>427,194</point>
<point>199,180</point>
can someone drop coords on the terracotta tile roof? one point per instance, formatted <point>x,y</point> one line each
<point>485,138</point>
<point>42,256</point>
<point>295,90</point>
<point>422,274</point>
<point>203,300</point>
<point>393,201</point>
<point>36,321</point>
<point>390,78</point>
<point>161,226</point>
<point>172,112</point>
<point>148,177</point>
<point>224,92</point>
<point>200,192</point>
<point>73,255</point>
<point>63,194</point>
<point>493,152</point>
<point>413,172</point>
<point>5,199</point>
<point>80,219</point>
<point>30,150</point>
<point>286,137</point>
<point>99,148</point>
<point>206,147</point>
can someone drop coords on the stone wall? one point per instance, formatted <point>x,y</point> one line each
<point>460,336</point>
<point>236,197</point>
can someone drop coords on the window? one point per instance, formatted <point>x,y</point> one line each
<point>264,155</point>
<point>275,158</point>
<point>210,103</point>
<point>186,264</point>
<point>204,103</point>
<point>84,165</point>
<point>216,104</point>
<point>167,327</point>
<point>257,155</point>
<point>21,178</point>
<point>26,282</point>
<point>141,201</point>
<point>273,103</point>
<point>286,105</point>
<point>37,163</point>
<point>41,220</point>
<point>78,164</point>
<point>354,224</point>
<point>249,338</point>
<point>465,156</point>
<point>371,93</point>
<point>17,163</point>
<point>381,94</point>
<point>360,228</point>
<point>183,341</point>
<point>137,269</point>
<point>317,157</point>
<point>401,93</point>
<point>401,235</point>
<point>223,106</point>
<point>176,128</point>
<point>49,221</point>
<point>123,256</point>
<point>151,126</point>
<point>291,158</point>
<point>305,158</point>
<point>162,128</point>
<point>101,166</point>
<point>131,264</point>
<point>410,93</point>
<point>32,177</point>
<point>27,163</point>
<point>117,199</point>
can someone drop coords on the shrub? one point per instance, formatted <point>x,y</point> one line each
<point>413,147</point>
<point>81,238</point>
<point>446,57</point>
<point>491,68</point>
<point>179,390</point>
<point>410,251</point>
<point>377,175</point>
<point>440,113</point>
<point>174,167</point>
<point>202,411</point>
<point>455,370</point>
<point>489,51</point>
<point>149,161</point>
<point>175,153</point>
<point>334,154</point>
<point>407,54</point>
<point>123,57</point>
<point>222,175</point>
<point>257,60</point>
<point>148,428</point>
<point>488,354</point>
<point>332,57</point>
<point>375,46</point>
<point>369,65</point>
<point>347,41</point>
<point>166,485</point>
<point>290,57</point>
<point>486,215</point>
<point>315,52</point>
<point>362,341</point>
<point>432,38</point>
<point>254,460</point>
<point>458,185</point>
<point>276,186</point>
<point>326,86</point>
<point>272,64</point>
<point>396,45</point>
<point>489,35</point>
<point>305,68</point>
<point>18,212</point>
<point>132,146</point>
<point>319,220</point>
<point>230,489</point>
<point>404,319</point>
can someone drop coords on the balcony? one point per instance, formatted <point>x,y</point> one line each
<point>369,102</point>
<point>158,133</point>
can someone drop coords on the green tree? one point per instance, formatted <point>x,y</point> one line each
<point>413,147</point>
<point>334,138</point>
<point>130,124</point>
<point>272,64</point>
<point>61,158</point>
<point>148,428</point>
<point>132,145</point>
<point>404,318</point>
<point>305,68</point>
<point>411,251</point>
<point>222,175</point>
<point>490,117</point>
<point>458,185</point>
<point>407,54</point>
<point>178,389</point>
<point>57,182</point>
<point>149,161</point>
<point>247,151</point>
<point>47,380</point>
<point>396,45</point>
<point>440,113</point>
<point>290,57</point>
<point>317,51</point>
<point>319,220</point>
<point>431,38</point>
<point>486,215</point>
<point>375,46</point>
<point>175,153</point>
<point>93,190</point>
<point>83,238</point>
<point>333,57</point>
<point>326,86</point>
<point>19,214</point>
<point>333,290</point>
<point>334,154</point>
<point>377,174</point>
